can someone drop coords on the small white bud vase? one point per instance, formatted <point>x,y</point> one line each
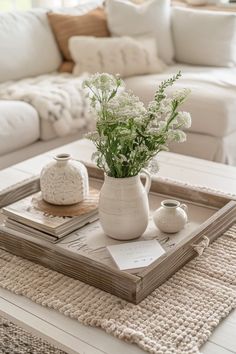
<point>171,217</point>
<point>64,181</point>
<point>124,207</point>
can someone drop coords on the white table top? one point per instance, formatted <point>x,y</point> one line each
<point>70,335</point>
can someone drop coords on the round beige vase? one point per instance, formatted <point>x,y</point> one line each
<point>64,181</point>
<point>124,207</point>
<point>171,217</point>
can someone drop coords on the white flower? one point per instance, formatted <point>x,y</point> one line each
<point>158,110</point>
<point>103,82</point>
<point>176,135</point>
<point>95,155</point>
<point>140,119</point>
<point>184,120</point>
<point>153,131</point>
<point>142,149</point>
<point>153,166</point>
<point>180,95</point>
<point>129,135</point>
<point>162,125</point>
<point>126,105</point>
<point>166,106</point>
<point>94,136</point>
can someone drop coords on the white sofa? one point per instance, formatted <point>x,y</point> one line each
<point>212,135</point>
<point>23,134</point>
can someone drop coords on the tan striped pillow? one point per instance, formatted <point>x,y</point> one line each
<point>64,26</point>
<point>66,67</point>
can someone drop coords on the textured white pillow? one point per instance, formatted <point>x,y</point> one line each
<point>149,18</point>
<point>27,45</point>
<point>124,55</point>
<point>204,37</point>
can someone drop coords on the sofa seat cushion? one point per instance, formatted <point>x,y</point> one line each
<point>19,125</point>
<point>208,148</point>
<point>211,103</point>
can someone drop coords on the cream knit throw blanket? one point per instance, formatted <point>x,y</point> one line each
<point>58,99</point>
<point>177,318</point>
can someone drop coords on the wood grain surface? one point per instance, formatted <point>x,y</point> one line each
<point>92,270</point>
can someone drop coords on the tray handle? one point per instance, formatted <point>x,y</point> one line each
<point>202,245</point>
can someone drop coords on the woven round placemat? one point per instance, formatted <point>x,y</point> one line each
<point>176,318</point>
<point>89,204</point>
<point>15,340</point>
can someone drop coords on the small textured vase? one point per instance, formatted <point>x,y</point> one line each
<point>124,207</point>
<point>171,217</point>
<point>64,181</point>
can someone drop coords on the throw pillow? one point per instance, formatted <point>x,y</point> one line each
<point>204,37</point>
<point>152,17</point>
<point>66,67</point>
<point>125,56</point>
<point>65,26</point>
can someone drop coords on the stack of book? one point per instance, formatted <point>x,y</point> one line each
<point>23,218</point>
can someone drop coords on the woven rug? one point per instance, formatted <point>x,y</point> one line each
<point>15,340</point>
<point>177,318</point>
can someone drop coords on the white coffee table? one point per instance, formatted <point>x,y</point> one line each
<point>68,334</point>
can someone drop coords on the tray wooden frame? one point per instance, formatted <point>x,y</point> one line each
<point>133,288</point>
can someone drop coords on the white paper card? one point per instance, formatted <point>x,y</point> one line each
<point>133,255</point>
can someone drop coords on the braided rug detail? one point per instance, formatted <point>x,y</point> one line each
<point>176,318</point>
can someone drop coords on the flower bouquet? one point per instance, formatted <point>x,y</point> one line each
<point>128,137</point>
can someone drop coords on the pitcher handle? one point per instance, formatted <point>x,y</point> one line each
<point>148,180</point>
<point>184,207</point>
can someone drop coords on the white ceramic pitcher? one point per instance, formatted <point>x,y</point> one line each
<point>124,207</point>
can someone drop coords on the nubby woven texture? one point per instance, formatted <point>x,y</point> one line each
<point>176,318</point>
<point>15,340</point>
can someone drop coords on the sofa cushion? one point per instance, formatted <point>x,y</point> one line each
<point>204,37</point>
<point>124,55</point>
<point>67,67</point>
<point>19,125</point>
<point>148,18</point>
<point>65,26</point>
<point>27,45</point>
<point>211,103</point>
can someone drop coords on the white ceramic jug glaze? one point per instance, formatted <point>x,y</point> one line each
<point>171,217</point>
<point>124,207</point>
<point>64,181</point>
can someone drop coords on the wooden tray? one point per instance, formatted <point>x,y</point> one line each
<point>83,255</point>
